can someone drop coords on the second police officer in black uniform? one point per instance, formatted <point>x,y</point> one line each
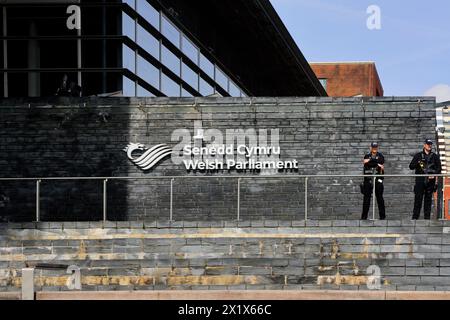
<point>373,165</point>
<point>425,162</point>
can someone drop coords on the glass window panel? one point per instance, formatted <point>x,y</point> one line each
<point>129,87</point>
<point>185,93</point>
<point>189,49</point>
<point>205,88</point>
<point>243,94</point>
<point>170,60</point>
<point>131,3</point>
<point>169,87</point>
<point>170,31</point>
<point>141,92</point>
<point>206,66</point>
<point>221,79</point>
<point>128,59</point>
<point>148,72</point>
<point>148,42</point>
<point>148,12</point>
<point>234,90</point>
<point>128,27</point>
<point>190,76</point>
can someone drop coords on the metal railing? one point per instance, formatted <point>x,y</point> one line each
<point>238,178</point>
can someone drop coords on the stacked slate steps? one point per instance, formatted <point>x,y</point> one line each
<point>388,255</point>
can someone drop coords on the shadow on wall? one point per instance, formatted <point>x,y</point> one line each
<point>61,137</point>
<point>85,138</point>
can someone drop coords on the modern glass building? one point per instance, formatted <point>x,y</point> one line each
<point>150,48</point>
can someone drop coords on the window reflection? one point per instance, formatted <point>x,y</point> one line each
<point>128,58</point>
<point>128,27</point>
<point>170,31</point>
<point>170,60</point>
<point>148,42</point>
<point>141,92</point>
<point>234,90</point>
<point>190,76</point>
<point>169,87</point>
<point>186,94</point>
<point>205,88</point>
<point>206,66</point>
<point>148,12</point>
<point>131,3</point>
<point>129,87</point>
<point>148,72</point>
<point>189,49</point>
<point>221,79</point>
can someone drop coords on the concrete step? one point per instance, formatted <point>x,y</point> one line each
<point>276,255</point>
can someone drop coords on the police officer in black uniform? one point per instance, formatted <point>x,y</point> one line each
<point>373,165</point>
<point>425,162</point>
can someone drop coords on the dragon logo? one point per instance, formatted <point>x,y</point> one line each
<point>150,157</point>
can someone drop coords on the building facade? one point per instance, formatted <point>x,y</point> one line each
<point>326,136</point>
<point>349,79</point>
<point>150,48</point>
<point>443,142</point>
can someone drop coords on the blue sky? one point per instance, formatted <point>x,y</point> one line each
<point>411,50</point>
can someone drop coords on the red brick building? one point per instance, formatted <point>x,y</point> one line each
<point>349,79</point>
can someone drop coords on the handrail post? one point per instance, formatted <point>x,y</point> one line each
<point>306,198</point>
<point>105,200</point>
<point>239,199</point>
<point>171,200</point>
<point>38,200</point>
<point>373,198</point>
<point>28,284</point>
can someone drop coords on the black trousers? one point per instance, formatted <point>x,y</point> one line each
<point>368,190</point>
<point>423,192</point>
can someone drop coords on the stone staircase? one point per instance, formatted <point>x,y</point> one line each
<point>323,255</point>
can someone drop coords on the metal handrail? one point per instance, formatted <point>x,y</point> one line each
<point>228,177</point>
<point>239,178</point>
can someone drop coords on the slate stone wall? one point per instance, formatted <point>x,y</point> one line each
<point>62,138</point>
<point>257,255</point>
